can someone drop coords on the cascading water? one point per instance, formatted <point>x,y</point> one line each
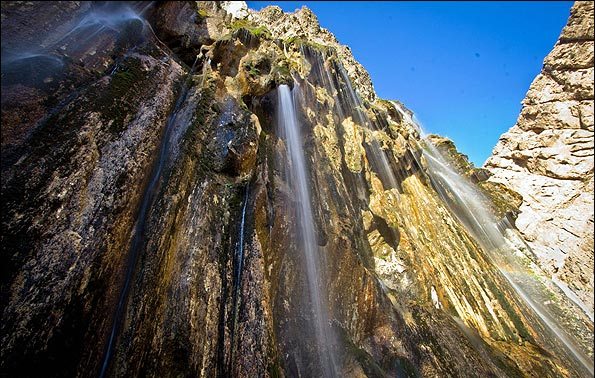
<point>109,16</point>
<point>349,105</point>
<point>289,125</point>
<point>463,199</point>
<point>467,204</point>
<point>378,155</point>
<point>101,24</point>
<point>138,239</point>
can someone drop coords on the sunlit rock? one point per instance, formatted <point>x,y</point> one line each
<point>547,157</point>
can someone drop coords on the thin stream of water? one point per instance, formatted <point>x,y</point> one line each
<point>139,229</point>
<point>463,198</point>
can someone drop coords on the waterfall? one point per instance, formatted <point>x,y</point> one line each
<point>331,75</point>
<point>377,154</point>
<point>468,205</point>
<point>137,242</point>
<point>290,127</point>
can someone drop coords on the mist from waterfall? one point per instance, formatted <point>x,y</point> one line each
<point>290,128</point>
<point>110,16</point>
<point>83,36</point>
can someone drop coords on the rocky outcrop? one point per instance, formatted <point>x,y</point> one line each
<point>547,157</point>
<point>303,26</point>
<point>149,222</point>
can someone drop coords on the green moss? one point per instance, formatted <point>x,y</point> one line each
<point>121,81</point>
<point>239,24</point>
<point>281,71</point>
<point>252,70</point>
<point>274,370</point>
<point>299,41</point>
<point>293,40</point>
<point>201,14</point>
<point>259,31</point>
<point>386,103</point>
<point>115,102</point>
<point>516,320</point>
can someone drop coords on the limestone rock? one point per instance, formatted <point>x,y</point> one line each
<point>547,157</point>
<point>580,23</point>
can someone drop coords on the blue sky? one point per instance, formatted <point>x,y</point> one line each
<point>462,67</point>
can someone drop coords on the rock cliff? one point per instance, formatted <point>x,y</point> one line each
<point>150,210</point>
<point>547,157</point>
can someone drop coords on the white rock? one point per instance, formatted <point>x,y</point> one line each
<point>547,157</point>
<point>238,9</point>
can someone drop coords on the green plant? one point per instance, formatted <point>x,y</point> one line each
<point>257,31</point>
<point>202,14</point>
<point>299,41</point>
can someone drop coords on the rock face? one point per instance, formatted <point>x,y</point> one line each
<point>547,157</point>
<point>149,215</point>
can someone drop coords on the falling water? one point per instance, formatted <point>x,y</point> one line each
<point>467,203</point>
<point>29,67</point>
<point>407,115</point>
<point>348,104</point>
<point>62,47</point>
<point>139,228</point>
<point>378,155</point>
<point>31,56</point>
<point>300,185</point>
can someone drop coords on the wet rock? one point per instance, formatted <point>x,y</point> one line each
<point>235,142</point>
<point>176,25</point>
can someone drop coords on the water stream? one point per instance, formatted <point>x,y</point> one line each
<point>300,186</point>
<point>138,239</point>
<point>378,155</point>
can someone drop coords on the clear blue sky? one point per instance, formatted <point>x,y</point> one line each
<point>462,67</point>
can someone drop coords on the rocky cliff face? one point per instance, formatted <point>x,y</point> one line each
<point>150,221</point>
<point>547,157</point>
